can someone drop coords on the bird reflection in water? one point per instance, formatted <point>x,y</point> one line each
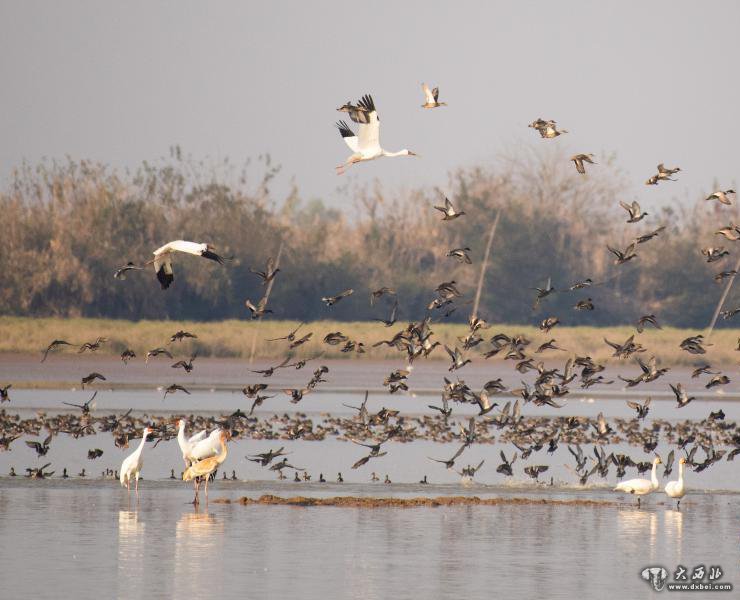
<point>198,542</point>
<point>673,531</point>
<point>131,559</point>
<point>638,527</point>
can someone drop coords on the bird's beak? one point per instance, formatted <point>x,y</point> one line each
<point>412,153</point>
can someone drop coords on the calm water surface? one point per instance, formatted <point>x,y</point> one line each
<point>84,540</point>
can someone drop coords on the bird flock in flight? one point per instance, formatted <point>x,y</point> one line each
<point>204,452</point>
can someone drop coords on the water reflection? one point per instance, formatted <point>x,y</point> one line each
<point>638,530</point>
<point>198,555</point>
<point>131,561</point>
<point>673,531</point>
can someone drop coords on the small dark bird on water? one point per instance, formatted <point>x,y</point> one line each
<point>4,394</point>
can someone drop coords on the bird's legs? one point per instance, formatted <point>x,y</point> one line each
<point>136,486</point>
<point>348,163</point>
<point>678,504</point>
<point>638,502</point>
<point>207,489</point>
<point>196,485</point>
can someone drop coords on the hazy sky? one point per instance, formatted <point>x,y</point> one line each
<point>121,82</point>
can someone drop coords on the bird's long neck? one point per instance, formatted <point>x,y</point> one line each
<point>181,436</point>
<point>141,444</point>
<point>654,474</point>
<point>403,152</point>
<point>223,453</point>
<point>680,473</point>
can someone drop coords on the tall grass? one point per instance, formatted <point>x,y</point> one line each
<point>234,338</point>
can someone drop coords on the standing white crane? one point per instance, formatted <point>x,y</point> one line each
<point>131,466</point>
<point>677,489</point>
<point>188,443</point>
<point>163,258</point>
<point>206,447</point>
<point>641,487</point>
<point>366,144</point>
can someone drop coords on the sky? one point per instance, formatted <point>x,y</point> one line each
<point>122,82</point>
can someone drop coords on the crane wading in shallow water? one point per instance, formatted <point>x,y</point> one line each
<point>205,467</point>
<point>132,464</point>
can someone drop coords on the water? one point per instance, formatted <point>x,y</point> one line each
<point>84,540</point>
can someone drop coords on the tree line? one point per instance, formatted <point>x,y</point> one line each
<point>67,226</point>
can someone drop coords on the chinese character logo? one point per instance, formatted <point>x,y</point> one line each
<point>655,576</point>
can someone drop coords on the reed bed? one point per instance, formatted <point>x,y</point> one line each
<point>235,339</point>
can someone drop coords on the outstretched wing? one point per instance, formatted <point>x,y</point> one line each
<point>428,94</point>
<point>347,135</point>
<point>369,133</point>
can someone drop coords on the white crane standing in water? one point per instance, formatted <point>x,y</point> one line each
<point>131,466</point>
<point>641,487</point>
<point>366,144</point>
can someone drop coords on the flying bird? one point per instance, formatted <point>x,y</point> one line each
<point>53,346</point>
<point>269,273</point>
<point>431,97</point>
<point>725,197</point>
<point>448,210</point>
<point>579,159</point>
<point>90,378</point>
<point>366,144</point>
<point>260,310</point>
<point>163,258</point>
<point>634,211</point>
<point>332,300</point>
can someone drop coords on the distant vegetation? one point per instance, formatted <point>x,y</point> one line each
<point>234,339</point>
<point>66,227</point>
